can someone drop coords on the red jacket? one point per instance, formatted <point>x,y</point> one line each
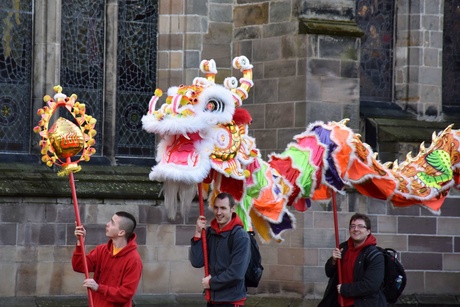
<point>117,275</point>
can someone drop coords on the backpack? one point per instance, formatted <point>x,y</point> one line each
<point>255,268</point>
<point>395,278</point>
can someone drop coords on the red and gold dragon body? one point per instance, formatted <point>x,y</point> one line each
<point>204,139</point>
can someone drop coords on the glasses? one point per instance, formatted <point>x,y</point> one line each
<point>360,227</point>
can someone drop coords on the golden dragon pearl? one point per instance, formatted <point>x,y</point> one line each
<point>66,138</point>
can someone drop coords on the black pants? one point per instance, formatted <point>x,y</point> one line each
<point>223,305</point>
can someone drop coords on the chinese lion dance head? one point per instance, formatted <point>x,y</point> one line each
<point>202,129</point>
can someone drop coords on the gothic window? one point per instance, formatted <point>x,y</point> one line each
<point>375,18</point>
<point>82,57</point>
<point>451,56</point>
<point>136,72</point>
<point>15,75</point>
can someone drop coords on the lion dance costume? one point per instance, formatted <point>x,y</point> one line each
<point>204,139</point>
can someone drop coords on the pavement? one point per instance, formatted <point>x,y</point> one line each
<point>153,300</point>
<point>198,301</point>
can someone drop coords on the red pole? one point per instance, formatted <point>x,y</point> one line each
<point>337,243</point>
<point>80,238</point>
<point>203,241</point>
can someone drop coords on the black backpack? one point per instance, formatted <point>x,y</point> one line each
<point>255,268</point>
<point>395,278</point>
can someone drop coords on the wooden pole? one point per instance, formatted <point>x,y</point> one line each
<point>203,241</point>
<point>80,238</point>
<point>337,243</point>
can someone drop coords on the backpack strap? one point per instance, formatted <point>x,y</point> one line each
<point>230,237</point>
<point>371,252</point>
<point>208,233</point>
<point>208,236</point>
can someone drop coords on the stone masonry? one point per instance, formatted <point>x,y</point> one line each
<point>418,57</point>
<point>37,237</point>
<point>306,68</point>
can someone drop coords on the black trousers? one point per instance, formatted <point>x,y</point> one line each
<point>224,305</point>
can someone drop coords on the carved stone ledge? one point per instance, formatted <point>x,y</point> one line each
<point>329,27</point>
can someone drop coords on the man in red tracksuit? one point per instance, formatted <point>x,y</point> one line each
<point>117,265</point>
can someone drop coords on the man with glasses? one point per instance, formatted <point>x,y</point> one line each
<point>362,278</point>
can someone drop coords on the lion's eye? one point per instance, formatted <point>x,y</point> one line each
<point>215,105</point>
<point>211,106</point>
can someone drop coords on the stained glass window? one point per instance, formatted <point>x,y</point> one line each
<point>451,56</point>
<point>375,18</point>
<point>15,75</point>
<point>82,66</point>
<point>137,31</point>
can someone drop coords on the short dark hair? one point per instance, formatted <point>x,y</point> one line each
<point>127,223</point>
<point>224,195</point>
<point>361,216</point>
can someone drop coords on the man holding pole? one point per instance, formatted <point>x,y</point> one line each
<point>361,278</point>
<point>117,265</point>
<point>228,250</point>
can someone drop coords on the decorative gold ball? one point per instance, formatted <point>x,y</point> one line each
<point>66,138</point>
